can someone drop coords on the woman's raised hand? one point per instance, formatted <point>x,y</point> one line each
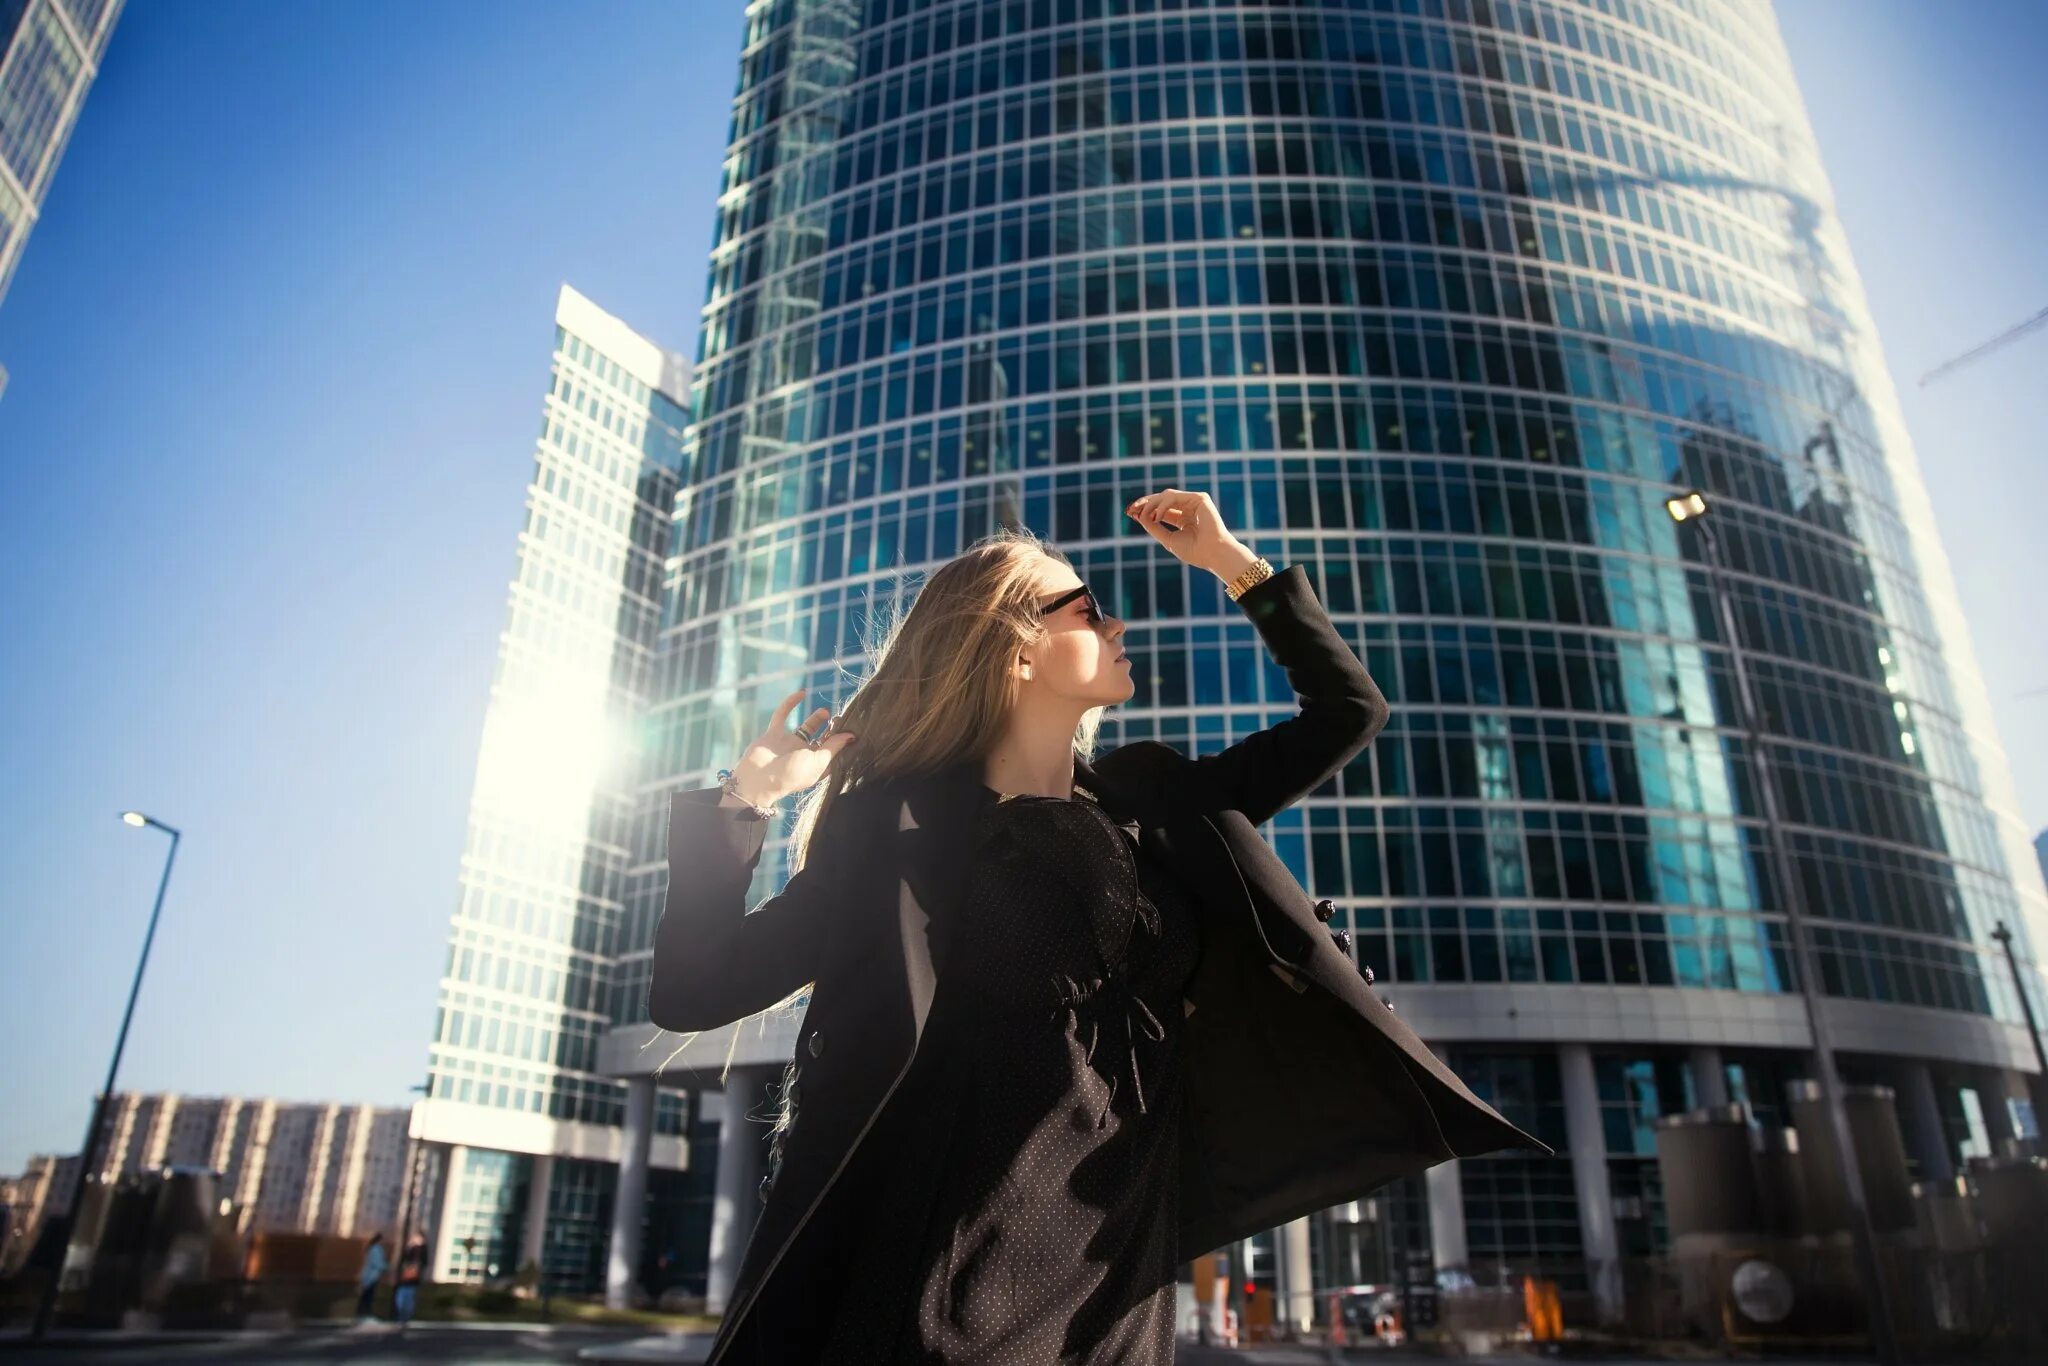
<point>1188,524</point>
<point>779,762</point>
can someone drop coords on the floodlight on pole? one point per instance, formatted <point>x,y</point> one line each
<point>46,1305</point>
<point>1691,506</point>
<point>1686,506</point>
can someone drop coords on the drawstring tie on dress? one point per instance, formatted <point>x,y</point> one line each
<point>1137,1017</point>
<point>1107,893</point>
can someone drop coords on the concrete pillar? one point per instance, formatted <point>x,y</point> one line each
<point>1709,1077</point>
<point>629,1195</point>
<point>1920,1120</point>
<point>445,1222</point>
<point>533,1234</point>
<point>2030,1118</point>
<point>1589,1179</point>
<point>1991,1098</point>
<point>742,1158</point>
<point>1296,1279</point>
<point>2007,1091</point>
<point>427,1171</point>
<point>1446,1187</point>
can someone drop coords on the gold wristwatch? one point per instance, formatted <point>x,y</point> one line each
<point>1257,572</point>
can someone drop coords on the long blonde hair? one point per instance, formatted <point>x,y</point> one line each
<point>938,690</point>
<point>939,685</point>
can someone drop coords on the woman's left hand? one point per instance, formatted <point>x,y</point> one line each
<point>1188,524</point>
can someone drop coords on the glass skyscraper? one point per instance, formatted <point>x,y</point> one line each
<point>1441,299</point>
<point>49,53</point>
<point>523,1128</point>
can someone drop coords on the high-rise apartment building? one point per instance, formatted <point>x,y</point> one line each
<point>289,1166</point>
<point>42,1191</point>
<point>525,1130</point>
<point>1442,299</point>
<point>49,53</point>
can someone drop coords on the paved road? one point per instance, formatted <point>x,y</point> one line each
<point>505,1345</point>
<point>382,1345</point>
<point>475,1344</point>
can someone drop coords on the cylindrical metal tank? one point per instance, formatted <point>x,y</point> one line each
<point>1953,1290</point>
<point>1880,1152</point>
<point>178,1245</point>
<point>2012,1209</point>
<point>1947,1214</point>
<point>155,1232</point>
<point>1780,1181</point>
<point>2012,1197</point>
<point>1709,1181</point>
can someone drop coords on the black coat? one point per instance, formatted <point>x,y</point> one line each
<point>1302,1088</point>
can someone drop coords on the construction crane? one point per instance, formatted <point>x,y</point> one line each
<point>2010,334</point>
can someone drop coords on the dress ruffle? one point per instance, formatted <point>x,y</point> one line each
<point>1103,880</point>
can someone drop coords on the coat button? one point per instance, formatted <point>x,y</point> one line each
<point>817,1042</point>
<point>1325,908</point>
<point>1342,939</point>
<point>1368,974</point>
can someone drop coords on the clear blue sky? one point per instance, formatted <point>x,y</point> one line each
<point>278,348</point>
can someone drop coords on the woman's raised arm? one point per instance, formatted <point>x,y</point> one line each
<point>1342,709</point>
<point>714,960</point>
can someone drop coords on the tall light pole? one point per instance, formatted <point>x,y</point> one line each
<point>2004,938</point>
<point>414,1150</point>
<point>1691,508</point>
<point>88,1153</point>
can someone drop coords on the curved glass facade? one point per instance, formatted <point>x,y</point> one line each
<point>1442,299</point>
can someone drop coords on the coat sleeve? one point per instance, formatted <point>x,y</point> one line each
<point>714,960</point>
<point>1342,709</point>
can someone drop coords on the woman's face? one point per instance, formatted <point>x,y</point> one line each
<point>1081,659</point>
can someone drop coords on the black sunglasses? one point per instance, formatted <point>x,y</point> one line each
<point>1094,608</point>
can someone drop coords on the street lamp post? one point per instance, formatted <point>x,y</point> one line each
<point>88,1153</point>
<point>412,1180</point>
<point>1691,507</point>
<point>2004,938</point>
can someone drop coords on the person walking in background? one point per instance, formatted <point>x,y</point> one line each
<point>375,1259</point>
<point>412,1266</point>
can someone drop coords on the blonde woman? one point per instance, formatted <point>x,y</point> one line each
<point>1071,1022</point>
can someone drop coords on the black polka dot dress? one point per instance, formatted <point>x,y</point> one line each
<point>1019,1199</point>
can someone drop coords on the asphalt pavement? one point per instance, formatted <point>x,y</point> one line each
<point>369,1345</point>
<point>515,1344</point>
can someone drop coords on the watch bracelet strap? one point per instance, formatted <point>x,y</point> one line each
<point>728,782</point>
<point>1257,572</point>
